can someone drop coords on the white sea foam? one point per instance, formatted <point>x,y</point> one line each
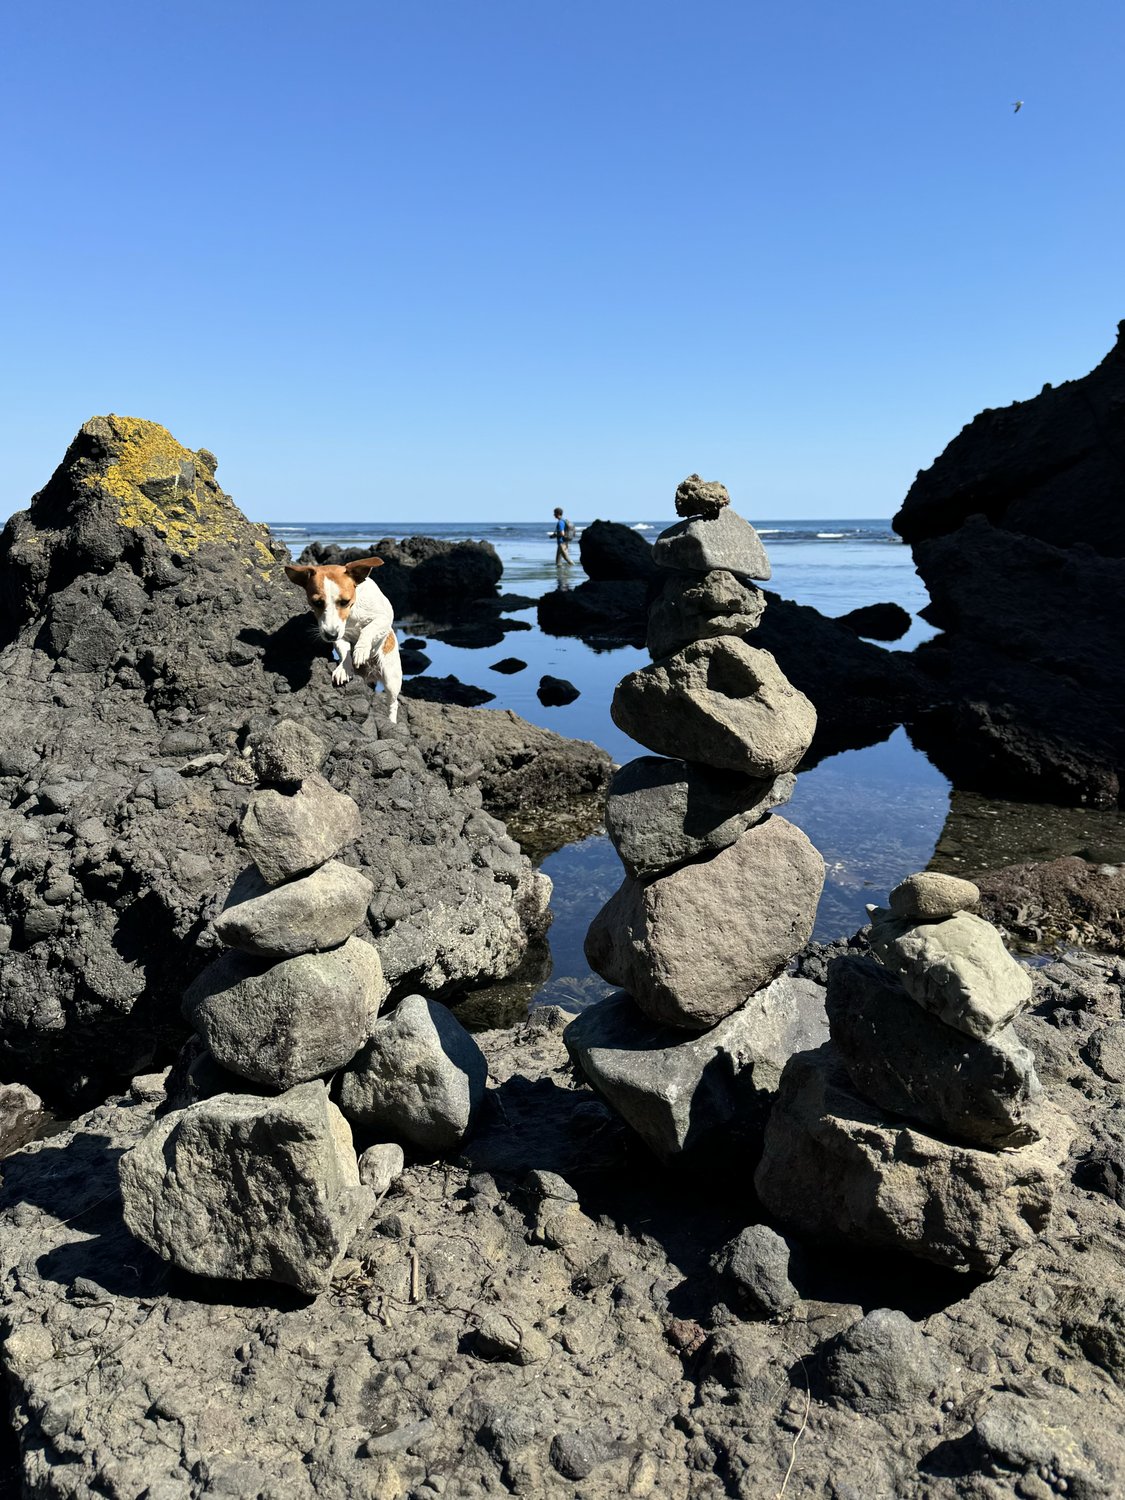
<point>831,536</point>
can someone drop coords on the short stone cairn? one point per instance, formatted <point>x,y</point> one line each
<point>256,1177</point>
<point>719,890</point>
<point>921,1124</point>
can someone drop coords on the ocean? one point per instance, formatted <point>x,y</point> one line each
<point>875,814</point>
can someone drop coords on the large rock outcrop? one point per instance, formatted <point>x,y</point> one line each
<point>1017,533</point>
<point>147,639</point>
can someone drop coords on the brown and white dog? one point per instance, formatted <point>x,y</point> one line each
<point>354,616</point>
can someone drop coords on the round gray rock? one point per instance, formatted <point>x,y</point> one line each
<point>660,813</point>
<point>421,1077</point>
<point>756,1266</point>
<point>285,1023</point>
<point>310,914</point>
<point>288,835</point>
<point>721,703</point>
<point>693,945</point>
<point>930,896</point>
<point>381,1166</point>
<point>285,753</point>
<point>723,541</point>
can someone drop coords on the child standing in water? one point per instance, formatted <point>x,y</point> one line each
<point>562,533</point>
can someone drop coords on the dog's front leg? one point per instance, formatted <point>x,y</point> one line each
<point>365,643</point>
<point>342,676</point>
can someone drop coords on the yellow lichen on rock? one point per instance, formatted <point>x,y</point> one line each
<point>159,484</point>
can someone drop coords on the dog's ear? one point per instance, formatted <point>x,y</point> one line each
<point>361,567</point>
<point>298,573</point>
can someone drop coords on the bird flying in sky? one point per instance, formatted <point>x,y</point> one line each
<point>1017,105</point>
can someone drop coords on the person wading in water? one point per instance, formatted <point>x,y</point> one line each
<point>562,532</point>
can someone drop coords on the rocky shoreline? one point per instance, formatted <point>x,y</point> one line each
<point>776,1219</point>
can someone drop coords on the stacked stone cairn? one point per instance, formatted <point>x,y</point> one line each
<point>719,890</point>
<point>256,1176</point>
<point>921,1124</point>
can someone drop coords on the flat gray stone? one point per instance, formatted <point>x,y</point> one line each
<point>836,1169</point>
<point>724,541</point>
<point>286,1023</point>
<point>958,968</point>
<point>660,813</point>
<point>285,753</point>
<point>249,1188</point>
<point>289,834</point>
<point>755,1265</point>
<point>700,497</point>
<point>693,945</point>
<point>719,702</point>
<point>693,608</point>
<point>910,1063</point>
<point>930,896</point>
<point>682,1093</point>
<point>309,914</point>
<point>421,1077</point>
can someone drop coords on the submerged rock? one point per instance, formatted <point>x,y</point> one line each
<point>680,1093</point>
<point>285,1023</point>
<point>836,1169</point>
<point>203,1188</point>
<point>660,813</point>
<point>694,944</point>
<point>554,692</point>
<point>721,703</point>
<point>420,1077</point>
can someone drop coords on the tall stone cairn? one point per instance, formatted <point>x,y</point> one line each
<point>719,890</point>
<point>921,1125</point>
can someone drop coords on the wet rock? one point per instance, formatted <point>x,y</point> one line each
<point>660,813</point>
<point>309,914</point>
<point>414,662</point>
<point>834,1168</point>
<point>957,968</point>
<point>380,1167</point>
<point>755,1264</point>
<point>679,1094</point>
<point>604,612</point>
<point>1067,899</point>
<point>700,497</point>
<point>202,1188</point>
<point>884,1363</point>
<point>726,541</point>
<point>285,1023</point>
<point>611,550</point>
<point>553,692</point>
<point>929,897</point>
<point>291,834</point>
<point>692,608</point>
<point>691,946</point>
<point>284,753</point>
<point>721,703</point>
<point>446,690</point>
<point>509,665</point>
<point>421,1076</point>
<point>878,622</point>
<point>910,1063</point>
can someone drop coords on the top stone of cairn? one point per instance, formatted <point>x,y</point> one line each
<point>700,497</point>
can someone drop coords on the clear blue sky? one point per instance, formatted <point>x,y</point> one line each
<point>444,260</point>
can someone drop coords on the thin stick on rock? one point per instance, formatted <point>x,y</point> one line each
<point>799,1433</point>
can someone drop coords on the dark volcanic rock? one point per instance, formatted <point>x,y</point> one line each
<point>446,690</point>
<point>509,666</point>
<point>422,570</point>
<point>554,692</point>
<point>879,622</point>
<point>1016,531</point>
<point>603,612</point>
<point>150,638</point>
<point>609,549</point>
